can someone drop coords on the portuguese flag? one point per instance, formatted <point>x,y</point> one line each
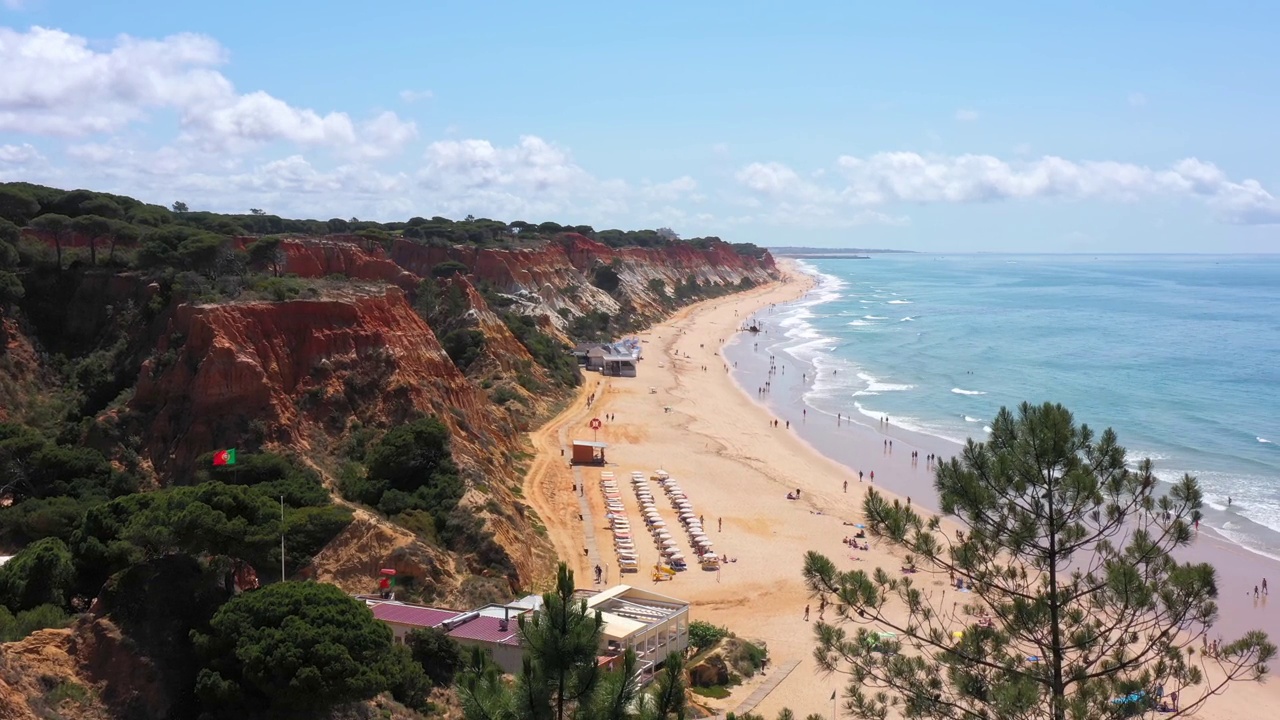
<point>225,457</point>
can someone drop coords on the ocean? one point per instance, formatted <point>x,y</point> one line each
<point>1177,353</point>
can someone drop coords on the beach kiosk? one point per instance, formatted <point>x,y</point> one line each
<point>587,452</point>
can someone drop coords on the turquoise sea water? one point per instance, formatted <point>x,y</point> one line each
<point>1178,353</point>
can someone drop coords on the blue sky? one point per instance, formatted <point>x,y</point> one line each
<point>932,126</point>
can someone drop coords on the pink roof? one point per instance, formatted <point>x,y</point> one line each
<point>415,615</point>
<point>487,629</point>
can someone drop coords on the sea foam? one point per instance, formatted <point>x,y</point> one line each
<point>962,391</point>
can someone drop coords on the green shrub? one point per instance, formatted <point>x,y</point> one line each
<point>606,278</point>
<point>448,268</point>
<point>504,395</point>
<point>438,654</point>
<point>26,622</point>
<point>546,351</point>
<point>42,574</point>
<point>464,347</point>
<point>703,634</point>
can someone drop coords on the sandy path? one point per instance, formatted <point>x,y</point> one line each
<point>734,465</point>
<point>548,487</point>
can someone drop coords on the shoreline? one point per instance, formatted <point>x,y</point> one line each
<point>686,413</point>
<point>1238,566</point>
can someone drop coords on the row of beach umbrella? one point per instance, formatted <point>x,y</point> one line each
<point>623,543</point>
<point>690,519</point>
<point>668,548</point>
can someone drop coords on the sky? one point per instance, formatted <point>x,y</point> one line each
<point>944,126</point>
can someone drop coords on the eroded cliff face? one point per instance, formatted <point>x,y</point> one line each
<point>348,255</point>
<point>297,375</point>
<point>292,366</point>
<point>558,276</point>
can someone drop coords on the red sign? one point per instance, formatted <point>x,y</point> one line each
<point>595,423</point>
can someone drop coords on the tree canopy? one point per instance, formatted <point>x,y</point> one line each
<point>291,648</point>
<point>1076,597</point>
<point>410,468</point>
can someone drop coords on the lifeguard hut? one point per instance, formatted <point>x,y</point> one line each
<point>588,452</point>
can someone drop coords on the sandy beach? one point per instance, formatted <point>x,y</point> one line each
<point>687,415</point>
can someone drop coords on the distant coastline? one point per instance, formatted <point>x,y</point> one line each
<point>811,253</point>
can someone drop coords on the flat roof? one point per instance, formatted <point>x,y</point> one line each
<point>627,610</point>
<point>488,629</point>
<point>589,443</point>
<point>415,615</point>
<point>619,358</point>
<point>620,628</point>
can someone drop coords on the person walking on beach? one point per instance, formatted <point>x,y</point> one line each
<point>720,525</point>
<point>788,424</point>
<point>1264,586</point>
<point>806,613</point>
<point>859,476</point>
<point>846,486</point>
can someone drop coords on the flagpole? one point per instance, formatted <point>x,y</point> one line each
<point>282,578</point>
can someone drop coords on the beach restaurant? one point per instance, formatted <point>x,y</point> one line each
<point>587,452</point>
<point>651,624</point>
<point>619,366</point>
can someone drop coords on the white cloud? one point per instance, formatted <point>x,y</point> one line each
<point>912,178</point>
<point>13,4</point>
<point>19,154</point>
<point>966,115</point>
<point>413,96</point>
<point>683,187</point>
<point>1137,99</point>
<point>892,178</point>
<point>58,84</point>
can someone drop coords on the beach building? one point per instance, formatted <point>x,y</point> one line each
<point>404,618</point>
<point>595,357</point>
<point>581,350</point>
<point>651,624</point>
<point>619,366</point>
<point>588,452</point>
<point>500,637</point>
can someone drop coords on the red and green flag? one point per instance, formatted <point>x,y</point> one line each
<point>225,457</point>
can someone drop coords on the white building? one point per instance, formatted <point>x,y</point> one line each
<point>651,624</point>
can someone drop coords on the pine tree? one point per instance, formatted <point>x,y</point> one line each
<point>1077,607</point>
<point>560,677</point>
<point>666,700</point>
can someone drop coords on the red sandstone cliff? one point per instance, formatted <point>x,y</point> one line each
<point>348,255</point>
<point>558,274</point>
<point>298,373</point>
<point>290,366</point>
